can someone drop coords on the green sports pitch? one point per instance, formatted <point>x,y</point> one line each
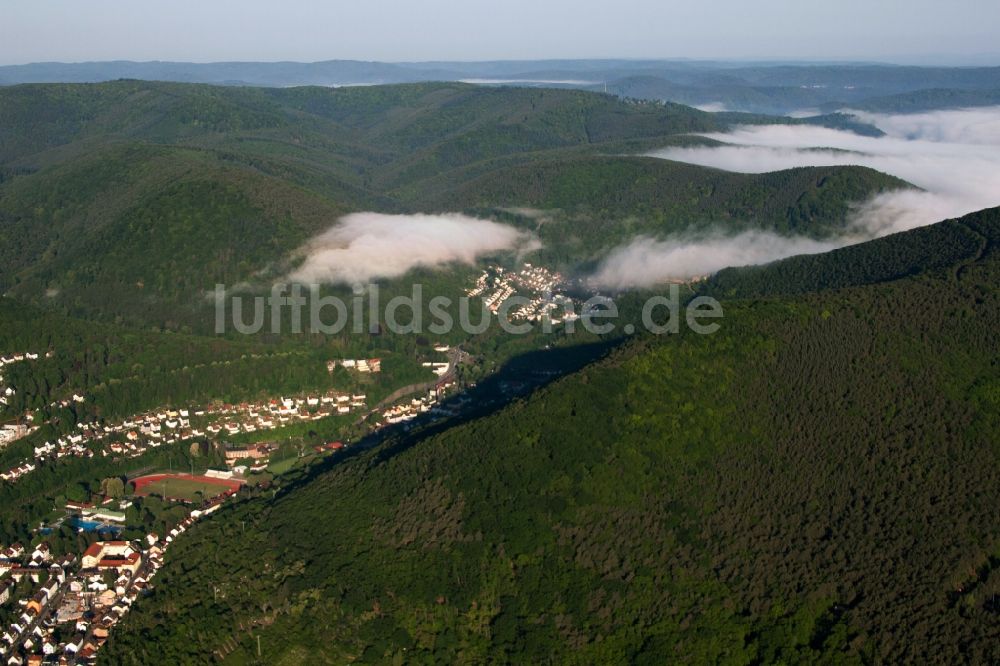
<point>184,487</point>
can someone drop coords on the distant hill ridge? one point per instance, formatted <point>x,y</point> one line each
<point>775,87</point>
<point>131,198</point>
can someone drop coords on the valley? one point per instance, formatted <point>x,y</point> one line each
<point>809,481</point>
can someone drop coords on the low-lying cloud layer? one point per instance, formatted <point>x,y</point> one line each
<point>365,246</point>
<point>954,156</point>
<point>647,261</point>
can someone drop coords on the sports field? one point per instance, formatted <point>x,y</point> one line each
<point>183,487</point>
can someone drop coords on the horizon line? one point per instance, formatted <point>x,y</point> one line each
<point>913,60</point>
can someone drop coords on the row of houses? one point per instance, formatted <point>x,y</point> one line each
<point>540,307</point>
<point>359,364</point>
<point>407,411</point>
<point>439,369</point>
<point>538,278</point>
<point>251,417</point>
<point>8,359</point>
<point>15,473</point>
<point>134,436</point>
<point>501,294</point>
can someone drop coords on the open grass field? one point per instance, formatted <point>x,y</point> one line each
<point>282,466</point>
<point>184,487</point>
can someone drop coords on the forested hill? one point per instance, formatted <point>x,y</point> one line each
<point>814,483</point>
<point>450,122</point>
<point>949,244</point>
<point>657,197</point>
<point>128,200</point>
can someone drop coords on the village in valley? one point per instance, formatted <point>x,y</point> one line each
<point>134,436</point>
<point>540,287</point>
<point>60,608</point>
<point>58,604</point>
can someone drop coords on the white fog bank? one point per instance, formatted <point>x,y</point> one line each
<point>953,156</point>
<point>365,246</point>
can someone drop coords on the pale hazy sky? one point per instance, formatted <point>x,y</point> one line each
<point>955,31</point>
